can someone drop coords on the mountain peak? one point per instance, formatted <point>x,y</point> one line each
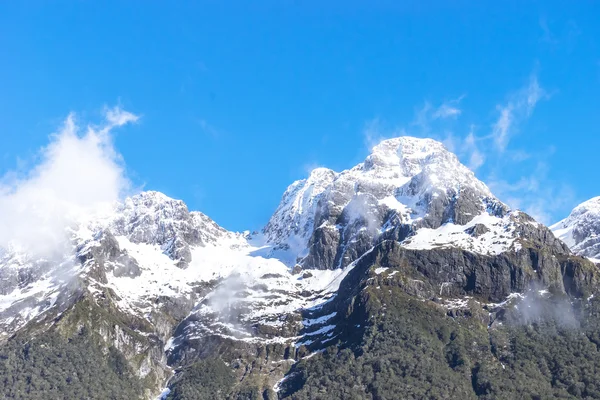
<point>591,207</point>
<point>581,229</point>
<point>405,182</point>
<point>405,158</point>
<point>404,150</point>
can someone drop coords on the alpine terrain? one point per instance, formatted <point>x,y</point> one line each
<point>403,277</point>
<point>581,229</point>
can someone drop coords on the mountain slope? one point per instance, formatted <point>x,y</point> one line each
<point>408,238</point>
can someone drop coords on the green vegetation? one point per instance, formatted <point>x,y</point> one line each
<point>409,351</point>
<point>52,367</point>
<point>412,350</point>
<point>207,379</point>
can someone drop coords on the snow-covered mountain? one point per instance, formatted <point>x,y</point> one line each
<point>581,229</point>
<point>409,189</point>
<point>184,287</point>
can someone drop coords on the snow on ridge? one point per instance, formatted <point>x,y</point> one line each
<point>294,218</point>
<point>498,237</point>
<point>149,225</point>
<point>264,288</point>
<point>410,156</point>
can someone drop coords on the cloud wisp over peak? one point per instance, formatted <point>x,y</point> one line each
<point>77,175</point>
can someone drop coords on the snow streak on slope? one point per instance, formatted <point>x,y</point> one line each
<point>581,229</point>
<point>28,288</point>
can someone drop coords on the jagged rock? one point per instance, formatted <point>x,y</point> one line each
<point>323,247</point>
<point>126,266</point>
<point>477,230</point>
<point>455,272</point>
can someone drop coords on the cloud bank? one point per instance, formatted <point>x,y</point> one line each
<point>77,175</point>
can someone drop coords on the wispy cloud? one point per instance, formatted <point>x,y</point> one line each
<point>374,132</point>
<point>501,129</point>
<point>535,193</point>
<point>519,107</point>
<point>533,94</point>
<point>448,109</point>
<point>79,173</point>
<point>428,114</point>
<point>559,35</point>
<point>547,35</point>
<point>209,129</point>
<point>476,157</point>
<point>116,116</point>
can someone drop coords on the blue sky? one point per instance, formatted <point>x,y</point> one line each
<point>236,101</point>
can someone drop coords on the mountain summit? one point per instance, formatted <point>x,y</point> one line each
<point>406,189</point>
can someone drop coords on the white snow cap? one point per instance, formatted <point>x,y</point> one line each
<point>408,157</point>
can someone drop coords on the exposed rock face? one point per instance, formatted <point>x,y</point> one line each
<point>581,229</point>
<point>477,230</point>
<point>104,272</point>
<point>455,272</point>
<point>104,255</point>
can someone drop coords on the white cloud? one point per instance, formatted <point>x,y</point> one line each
<point>515,111</point>
<point>502,127</point>
<point>116,116</point>
<point>78,174</point>
<point>448,109</point>
<point>535,194</point>
<point>476,157</point>
<point>533,93</point>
